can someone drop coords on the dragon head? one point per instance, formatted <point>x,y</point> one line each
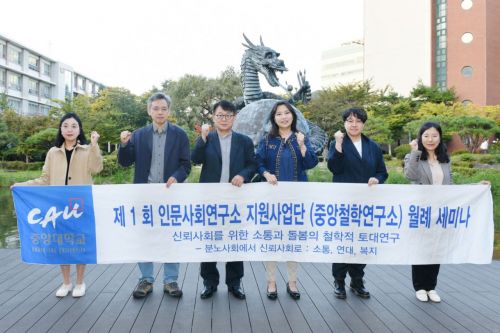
<point>265,60</point>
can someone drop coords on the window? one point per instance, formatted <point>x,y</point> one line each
<point>14,55</point>
<point>46,68</point>
<point>33,108</point>
<point>33,63</point>
<point>2,78</point>
<point>80,83</point>
<point>466,102</point>
<point>44,110</point>
<point>467,38</point>
<point>14,81</point>
<point>467,4</point>
<point>33,87</point>
<point>67,83</point>
<point>15,104</point>
<point>2,50</point>
<point>466,71</point>
<point>45,89</point>
<point>89,87</point>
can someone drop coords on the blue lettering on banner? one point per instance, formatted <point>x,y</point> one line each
<point>57,226</point>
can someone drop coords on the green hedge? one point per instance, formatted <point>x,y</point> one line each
<point>402,150</point>
<point>20,166</point>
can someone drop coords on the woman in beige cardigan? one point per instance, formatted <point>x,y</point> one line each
<point>70,162</point>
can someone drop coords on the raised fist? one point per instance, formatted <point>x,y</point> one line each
<point>125,136</point>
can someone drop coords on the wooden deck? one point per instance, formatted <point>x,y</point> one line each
<point>471,302</point>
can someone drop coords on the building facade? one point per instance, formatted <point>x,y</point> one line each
<point>472,33</point>
<point>342,65</point>
<point>31,81</point>
<point>448,43</point>
<point>398,43</point>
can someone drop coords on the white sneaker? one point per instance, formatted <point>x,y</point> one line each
<point>63,290</point>
<point>433,296</point>
<point>79,290</point>
<point>422,295</point>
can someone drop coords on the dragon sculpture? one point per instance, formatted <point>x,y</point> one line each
<point>256,104</point>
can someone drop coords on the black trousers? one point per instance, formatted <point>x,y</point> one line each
<point>210,273</point>
<point>356,272</point>
<point>424,276</point>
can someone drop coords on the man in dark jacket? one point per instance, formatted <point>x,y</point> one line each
<point>160,152</point>
<point>226,156</point>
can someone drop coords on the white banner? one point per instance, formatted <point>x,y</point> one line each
<point>306,222</point>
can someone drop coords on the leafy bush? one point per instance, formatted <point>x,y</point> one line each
<point>460,152</point>
<point>20,166</point>
<point>402,150</point>
<point>488,159</point>
<point>459,172</point>
<point>467,157</point>
<point>387,157</point>
<point>494,148</point>
<point>396,178</point>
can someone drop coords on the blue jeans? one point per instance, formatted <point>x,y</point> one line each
<point>170,272</point>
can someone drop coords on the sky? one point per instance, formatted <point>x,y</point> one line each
<point>139,44</point>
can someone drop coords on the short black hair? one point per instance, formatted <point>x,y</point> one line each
<point>225,105</point>
<point>81,137</point>
<point>440,151</point>
<point>159,96</point>
<point>356,112</point>
<point>274,131</point>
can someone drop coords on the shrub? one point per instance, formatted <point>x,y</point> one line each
<point>110,165</point>
<point>402,150</point>
<point>396,178</point>
<point>20,166</point>
<point>459,172</point>
<point>467,157</point>
<point>460,152</point>
<point>487,159</point>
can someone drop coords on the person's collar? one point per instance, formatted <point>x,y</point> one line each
<point>160,129</point>
<point>222,136</point>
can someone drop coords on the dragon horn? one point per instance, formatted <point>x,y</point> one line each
<point>261,42</point>
<point>249,42</point>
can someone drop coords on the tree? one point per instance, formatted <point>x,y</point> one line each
<point>473,130</point>
<point>112,111</point>
<point>38,144</point>
<point>378,129</point>
<point>8,139</point>
<point>326,107</point>
<point>194,95</point>
<point>422,93</point>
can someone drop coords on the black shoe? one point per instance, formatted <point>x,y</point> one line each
<point>236,291</point>
<point>293,294</point>
<point>339,290</point>
<point>142,289</point>
<point>207,292</point>
<point>272,294</point>
<point>359,289</point>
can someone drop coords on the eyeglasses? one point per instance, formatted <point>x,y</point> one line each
<point>224,116</point>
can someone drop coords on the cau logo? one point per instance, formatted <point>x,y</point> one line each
<point>73,210</point>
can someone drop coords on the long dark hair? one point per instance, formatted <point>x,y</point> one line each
<point>441,152</point>
<point>274,131</point>
<point>81,137</point>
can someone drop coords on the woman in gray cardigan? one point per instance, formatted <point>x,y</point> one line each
<point>428,163</point>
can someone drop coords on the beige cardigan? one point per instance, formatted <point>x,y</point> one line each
<point>86,161</point>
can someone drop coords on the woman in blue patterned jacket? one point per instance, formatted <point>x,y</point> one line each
<point>284,155</point>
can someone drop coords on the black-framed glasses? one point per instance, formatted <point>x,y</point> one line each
<point>224,116</point>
